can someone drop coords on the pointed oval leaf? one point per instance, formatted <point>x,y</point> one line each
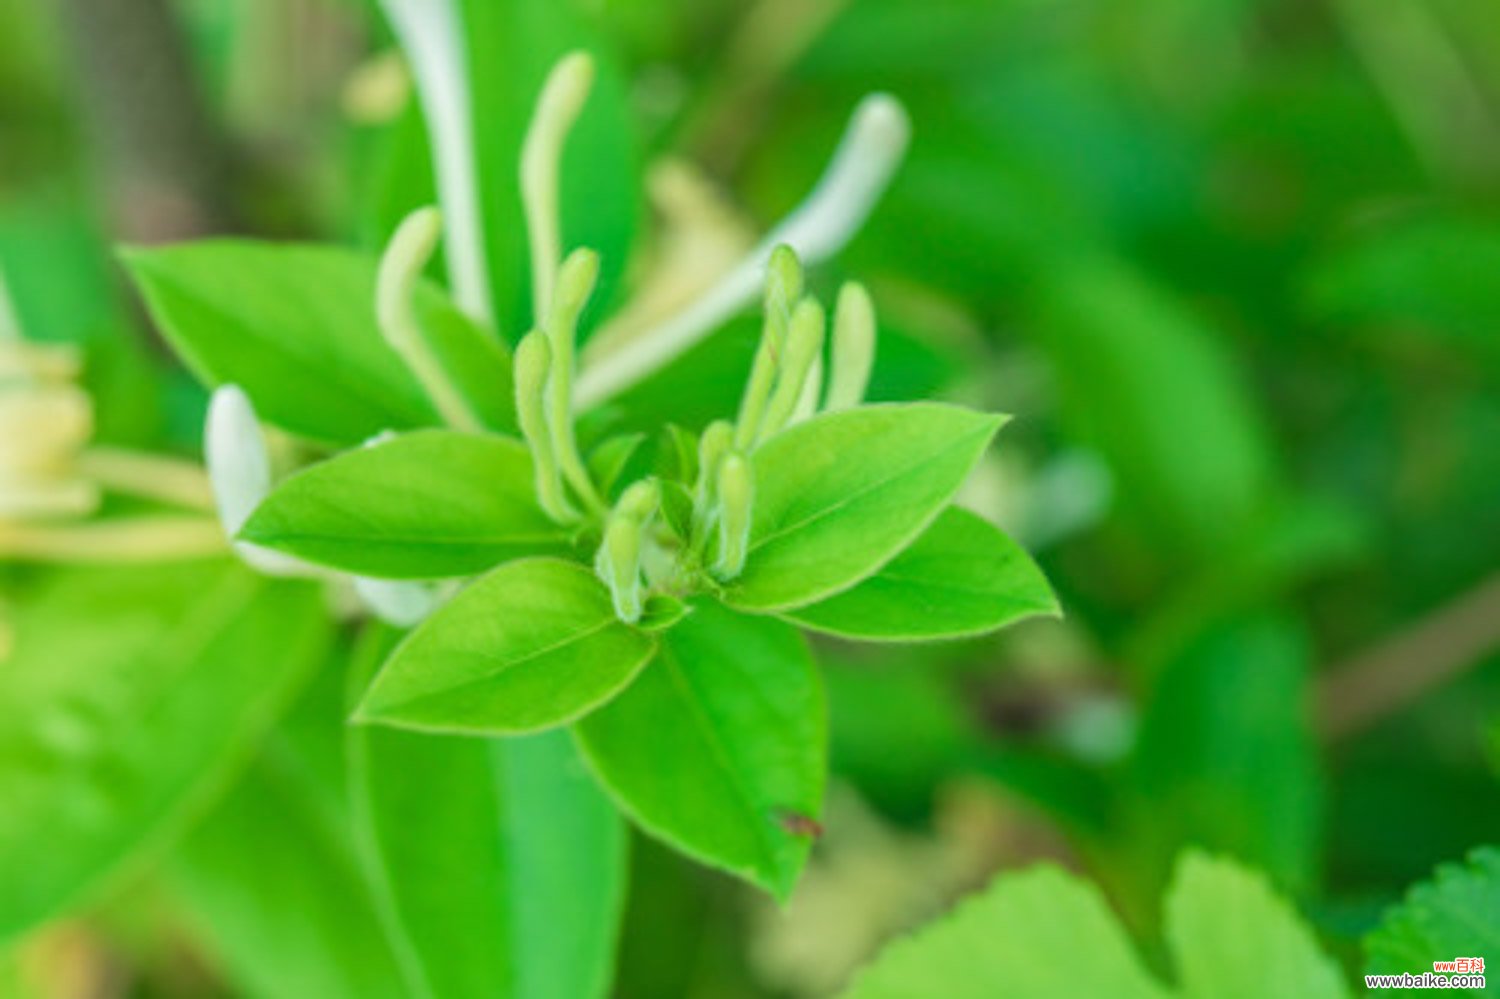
<point>838,496</point>
<point>534,644</point>
<point>423,505</point>
<point>719,748</point>
<point>499,909</point>
<point>962,577</point>
<point>294,326</point>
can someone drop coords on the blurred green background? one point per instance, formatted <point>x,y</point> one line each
<point>1234,265</point>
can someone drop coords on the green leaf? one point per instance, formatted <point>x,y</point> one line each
<point>1038,934</point>
<point>1148,383</point>
<point>1412,282</point>
<point>294,326</point>
<point>1234,937</point>
<point>838,496</point>
<point>1456,914</point>
<point>1226,757</point>
<point>961,577</point>
<point>677,509</point>
<point>720,745</point>
<point>129,699</point>
<point>1044,933</point>
<point>423,505</point>
<point>503,861</point>
<point>534,644</point>
<point>608,461</point>
<point>275,870</point>
<point>661,612</point>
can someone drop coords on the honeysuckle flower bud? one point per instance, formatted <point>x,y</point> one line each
<point>783,289</point>
<point>717,439</point>
<point>783,283</point>
<point>239,469</point>
<point>640,501</point>
<point>43,428</point>
<point>853,348</point>
<point>532,371</point>
<point>50,479</point>
<point>736,495</point>
<point>557,109</point>
<point>862,166</point>
<point>812,393</point>
<point>803,345</point>
<point>619,566</point>
<point>409,250</point>
<point>432,37</point>
<point>575,283</point>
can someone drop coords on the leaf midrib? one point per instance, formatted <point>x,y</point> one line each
<point>506,665</point>
<point>722,756</point>
<point>355,387</point>
<point>863,491</point>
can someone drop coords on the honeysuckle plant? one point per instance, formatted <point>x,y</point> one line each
<point>646,590</point>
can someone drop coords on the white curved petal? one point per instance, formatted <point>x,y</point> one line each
<point>395,602</point>
<point>239,469</point>
<point>432,38</point>
<point>862,166</point>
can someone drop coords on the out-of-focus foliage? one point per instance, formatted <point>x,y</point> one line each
<point>1233,265</point>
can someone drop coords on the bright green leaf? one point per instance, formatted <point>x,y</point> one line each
<point>838,496</point>
<point>294,326</point>
<point>1456,914</point>
<point>609,460</point>
<point>502,859</point>
<point>1153,387</point>
<point>961,577</point>
<point>1234,937</point>
<point>274,869</point>
<point>1226,758</point>
<point>127,702</point>
<point>1037,934</point>
<point>423,505</point>
<point>534,644</point>
<point>720,745</point>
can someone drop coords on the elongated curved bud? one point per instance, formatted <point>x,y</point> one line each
<point>639,501</point>
<point>619,566</point>
<point>866,158</point>
<point>557,109</point>
<point>409,250</point>
<point>575,283</point>
<point>812,393</point>
<point>532,366</point>
<point>717,439</point>
<point>783,289</point>
<point>239,472</point>
<point>853,348</point>
<point>736,498</point>
<point>783,282</point>
<point>803,345</point>
<point>432,39</point>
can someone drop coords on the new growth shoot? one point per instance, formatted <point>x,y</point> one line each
<point>788,382</point>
